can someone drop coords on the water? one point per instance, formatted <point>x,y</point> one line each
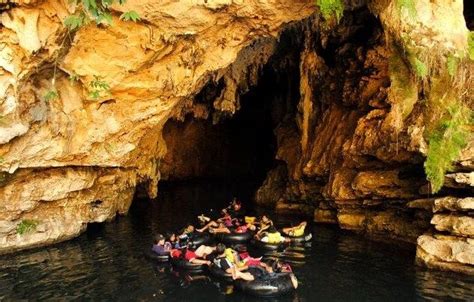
<point>107,262</point>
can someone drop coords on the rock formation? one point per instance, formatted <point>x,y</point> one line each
<point>350,149</point>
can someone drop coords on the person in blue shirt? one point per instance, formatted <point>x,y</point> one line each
<point>160,247</point>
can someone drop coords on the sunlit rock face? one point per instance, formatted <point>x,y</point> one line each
<point>75,159</point>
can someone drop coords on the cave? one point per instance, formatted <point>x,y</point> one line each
<point>127,121</point>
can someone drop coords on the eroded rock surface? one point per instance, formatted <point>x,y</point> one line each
<point>75,159</point>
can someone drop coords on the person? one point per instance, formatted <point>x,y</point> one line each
<point>271,235</point>
<point>191,256</point>
<point>251,261</point>
<point>223,224</point>
<point>160,247</point>
<point>186,234</point>
<point>279,267</point>
<point>296,231</point>
<point>264,223</point>
<point>174,241</point>
<point>222,261</point>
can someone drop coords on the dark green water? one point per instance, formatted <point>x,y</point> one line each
<point>106,263</point>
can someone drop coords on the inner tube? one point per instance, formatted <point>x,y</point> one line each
<point>198,239</point>
<point>267,286</point>
<point>267,246</point>
<point>155,257</point>
<point>306,237</point>
<point>219,273</point>
<point>234,237</point>
<point>183,264</point>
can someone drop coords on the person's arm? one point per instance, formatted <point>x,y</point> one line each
<point>266,227</point>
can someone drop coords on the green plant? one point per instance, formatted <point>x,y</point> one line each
<point>130,16</point>
<point>50,95</point>
<point>420,68</point>
<point>470,45</point>
<point>447,140</point>
<point>452,65</point>
<point>98,87</point>
<point>408,6</point>
<point>331,8</point>
<point>97,11</point>
<point>26,226</point>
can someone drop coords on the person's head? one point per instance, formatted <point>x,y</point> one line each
<point>220,248</point>
<point>189,228</point>
<point>172,237</point>
<point>240,248</point>
<point>236,204</point>
<point>265,219</point>
<point>224,212</point>
<point>159,239</point>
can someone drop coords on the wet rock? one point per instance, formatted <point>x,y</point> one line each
<point>283,207</point>
<point>446,253</point>
<point>328,216</point>
<point>460,180</point>
<point>453,204</point>
<point>273,188</point>
<point>455,224</point>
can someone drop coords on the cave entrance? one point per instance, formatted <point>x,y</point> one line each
<point>240,148</point>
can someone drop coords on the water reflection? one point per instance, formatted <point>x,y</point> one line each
<point>107,263</point>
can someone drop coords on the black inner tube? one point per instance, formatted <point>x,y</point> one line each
<point>154,256</point>
<point>186,265</point>
<point>234,237</point>
<point>269,285</point>
<point>306,237</point>
<point>267,246</point>
<point>198,239</point>
<point>220,273</point>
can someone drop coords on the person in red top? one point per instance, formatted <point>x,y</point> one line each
<point>195,257</point>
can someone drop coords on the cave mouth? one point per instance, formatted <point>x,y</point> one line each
<point>240,148</point>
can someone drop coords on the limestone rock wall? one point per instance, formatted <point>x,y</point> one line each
<point>353,157</point>
<point>77,159</point>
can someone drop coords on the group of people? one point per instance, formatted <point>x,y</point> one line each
<point>235,261</point>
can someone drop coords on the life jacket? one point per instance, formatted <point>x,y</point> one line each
<point>298,232</point>
<point>274,237</point>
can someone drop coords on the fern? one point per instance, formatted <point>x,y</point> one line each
<point>446,142</point>
<point>331,9</point>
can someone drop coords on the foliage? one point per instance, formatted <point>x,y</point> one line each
<point>470,44</point>
<point>407,6</point>
<point>446,142</point>
<point>97,11</point>
<point>130,16</point>
<point>50,95</point>
<point>420,68</point>
<point>26,226</point>
<point>452,65</point>
<point>98,87</point>
<point>331,8</point>
<point>73,22</point>
<point>73,77</point>
<point>403,86</point>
